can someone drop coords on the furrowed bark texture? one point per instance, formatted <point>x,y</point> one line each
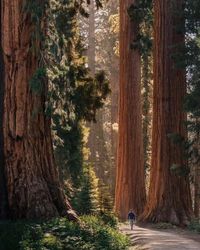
<point>197,180</point>
<point>130,183</point>
<point>197,192</point>
<point>169,196</point>
<point>114,121</point>
<point>32,178</point>
<point>3,188</point>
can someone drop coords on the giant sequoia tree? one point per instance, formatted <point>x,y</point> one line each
<point>130,184</point>
<point>32,180</point>
<point>169,196</point>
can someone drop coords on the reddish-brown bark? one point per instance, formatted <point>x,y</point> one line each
<point>197,192</point>
<point>130,183</point>
<point>3,191</point>
<point>196,175</point>
<point>169,196</point>
<point>33,185</point>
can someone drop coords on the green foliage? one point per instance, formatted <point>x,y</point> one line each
<point>91,96</point>
<point>141,12</point>
<point>176,138</point>
<point>10,234</point>
<point>60,234</point>
<point>106,235</point>
<point>180,170</point>
<point>192,61</point>
<point>73,96</point>
<point>37,82</point>
<point>86,201</point>
<point>195,225</point>
<point>179,141</point>
<point>68,143</point>
<point>36,11</point>
<point>105,198</point>
<point>109,218</point>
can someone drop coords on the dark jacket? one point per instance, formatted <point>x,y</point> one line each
<point>131,216</point>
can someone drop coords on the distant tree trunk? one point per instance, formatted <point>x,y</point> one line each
<point>91,48</point>
<point>91,64</point>
<point>147,107</point>
<point>33,185</point>
<point>96,142</point>
<point>169,196</point>
<point>130,182</point>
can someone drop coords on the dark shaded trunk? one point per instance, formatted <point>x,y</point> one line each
<point>33,184</point>
<point>3,189</point>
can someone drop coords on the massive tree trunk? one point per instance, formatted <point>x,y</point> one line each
<point>114,122</point>
<point>197,192</point>
<point>3,188</point>
<point>169,196</point>
<point>130,183</point>
<point>196,175</point>
<point>32,178</point>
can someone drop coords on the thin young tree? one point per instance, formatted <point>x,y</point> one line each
<point>130,182</point>
<point>169,196</point>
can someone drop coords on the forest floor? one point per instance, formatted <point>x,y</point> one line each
<point>149,238</point>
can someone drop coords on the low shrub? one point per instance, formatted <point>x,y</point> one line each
<point>109,219</point>
<point>60,234</point>
<point>195,225</point>
<point>10,234</point>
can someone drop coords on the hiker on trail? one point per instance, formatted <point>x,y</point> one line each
<point>131,218</point>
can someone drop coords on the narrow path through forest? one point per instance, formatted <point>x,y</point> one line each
<point>168,239</point>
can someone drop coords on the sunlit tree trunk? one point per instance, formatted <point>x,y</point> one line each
<point>96,141</point>
<point>33,185</point>
<point>169,196</point>
<point>91,64</point>
<point>130,184</point>
<point>114,122</point>
<point>147,108</point>
<point>91,48</point>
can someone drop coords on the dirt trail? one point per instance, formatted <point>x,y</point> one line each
<point>170,239</point>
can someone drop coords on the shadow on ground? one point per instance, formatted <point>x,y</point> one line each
<point>170,239</point>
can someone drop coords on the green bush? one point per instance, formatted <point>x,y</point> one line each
<point>109,219</point>
<point>104,236</point>
<point>195,225</point>
<point>10,234</point>
<point>60,234</point>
